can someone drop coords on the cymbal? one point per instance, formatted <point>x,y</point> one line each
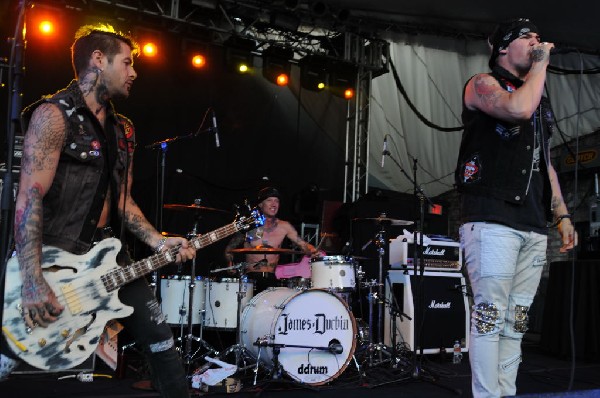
<point>385,220</point>
<point>264,250</point>
<point>360,258</point>
<point>171,235</point>
<point>179,207</point>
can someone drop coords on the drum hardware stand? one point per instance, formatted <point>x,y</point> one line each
<point>418,372</point>
<point>187,351</point>
<point>277,371</point>
<point>241,352</point>
<point>379,347</point>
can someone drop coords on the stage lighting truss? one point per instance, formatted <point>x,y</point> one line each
<point>307,26</point>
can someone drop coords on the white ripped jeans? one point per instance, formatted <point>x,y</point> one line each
<point>504,267</point>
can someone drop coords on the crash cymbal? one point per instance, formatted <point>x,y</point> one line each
<point>385,221</point>
<point>264,250</point>
<point>180,207</point>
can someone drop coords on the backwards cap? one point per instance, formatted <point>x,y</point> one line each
<point>268,192</point>
<point>505,33</point>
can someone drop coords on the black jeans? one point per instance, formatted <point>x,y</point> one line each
<point>152,334</point>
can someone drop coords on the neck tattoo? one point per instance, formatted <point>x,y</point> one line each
<point>272,226</point>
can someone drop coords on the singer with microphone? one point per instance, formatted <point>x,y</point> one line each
<point>509,198</point>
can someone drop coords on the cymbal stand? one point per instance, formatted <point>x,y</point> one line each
<point>378,347</point>
<point>187,352</point>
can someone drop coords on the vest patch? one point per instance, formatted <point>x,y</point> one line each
<point>471,170</point>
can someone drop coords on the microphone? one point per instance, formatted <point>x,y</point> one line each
<point>215,129</point>
<point>384,151</point>
<point>335,348</point>
<point>562,50</point>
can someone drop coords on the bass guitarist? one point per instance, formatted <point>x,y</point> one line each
<point>76,172</point>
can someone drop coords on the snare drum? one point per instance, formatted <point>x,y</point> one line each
<point>334,273</point>
<point>221,302</point>
<point>174,291</point>
<point>314,329</point>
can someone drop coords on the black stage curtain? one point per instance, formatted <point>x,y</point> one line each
<point>586,315</point>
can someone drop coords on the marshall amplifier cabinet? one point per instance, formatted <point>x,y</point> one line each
<point>443,313</point>
<point>438,255</point>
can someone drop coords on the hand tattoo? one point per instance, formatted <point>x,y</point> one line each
<point>538,55</point>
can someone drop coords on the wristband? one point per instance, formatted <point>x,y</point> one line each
<point>561,217</point>
<point>161,244</point>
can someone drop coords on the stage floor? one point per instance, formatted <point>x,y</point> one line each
<point>538,374</point>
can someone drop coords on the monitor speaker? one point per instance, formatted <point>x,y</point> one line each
<point>444,311</point>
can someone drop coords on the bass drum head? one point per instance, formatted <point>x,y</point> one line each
<point>306,324</point>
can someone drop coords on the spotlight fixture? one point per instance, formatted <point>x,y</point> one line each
<point>149,49</point>
<point>276,65</point>
<point>238,54</point>
<point>151,44</point>
<point>313,72</point>
<point>197,53</point>
<point>342,79</point>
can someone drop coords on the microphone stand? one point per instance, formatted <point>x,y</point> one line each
<point>418,371</point>
<point>160,190</point>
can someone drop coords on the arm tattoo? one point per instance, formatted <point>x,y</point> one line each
<point>487,93</point>
<point>139,226</point>
<point>28,241</point>
<point>45,135</point>
<point>556,202</point>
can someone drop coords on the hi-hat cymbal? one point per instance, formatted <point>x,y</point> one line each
<point>385,221</point>
<point>264,250</point>
<point>180,207</point>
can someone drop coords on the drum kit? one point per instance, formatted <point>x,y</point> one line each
<point>304,331</point>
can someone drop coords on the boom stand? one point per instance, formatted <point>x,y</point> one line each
<point>418,371</point>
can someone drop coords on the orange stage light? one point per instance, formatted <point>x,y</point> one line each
<point>198,61</point>
<point>149,49</point>
<point>46,27</point>
<point>282,79</point>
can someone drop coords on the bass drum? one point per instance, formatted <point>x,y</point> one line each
<point>315,329</point>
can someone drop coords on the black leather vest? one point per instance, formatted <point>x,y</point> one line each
<point>91,156</point>
<point>496,158</point>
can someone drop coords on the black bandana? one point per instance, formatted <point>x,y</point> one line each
<point>505,33</point>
